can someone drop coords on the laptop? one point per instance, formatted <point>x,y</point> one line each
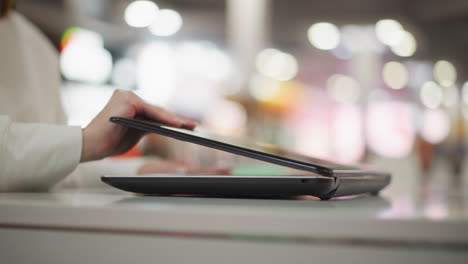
<point>316,177</point>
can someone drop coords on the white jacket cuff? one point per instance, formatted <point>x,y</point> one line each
<point>36,156</point>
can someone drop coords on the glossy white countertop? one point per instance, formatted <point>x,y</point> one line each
<point>387,220</point>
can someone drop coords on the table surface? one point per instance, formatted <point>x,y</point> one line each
<point>388,220</point>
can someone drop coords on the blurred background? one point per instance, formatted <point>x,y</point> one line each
<point>373,81</point>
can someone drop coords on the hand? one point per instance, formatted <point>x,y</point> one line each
<point>102,138</point>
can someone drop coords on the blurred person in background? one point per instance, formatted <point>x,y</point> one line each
<point>37,151</point>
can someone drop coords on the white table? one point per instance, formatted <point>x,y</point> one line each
<point>108,226</point>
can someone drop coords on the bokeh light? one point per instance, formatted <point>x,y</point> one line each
<point>141,13</point>
<point>216,121</point>
<point>349,142</point>
<point>84,58</point>
<point>395,75</point>
<point>435,125</point>
<point>445,73</point>
<point>69,34</point>
<point>390,128</point>
<point>276,64</point>
<point>263,88</point>
<point>314,138</point>
<point>431,95</point>
<point>324,35</point>
<point>389,32</point>
<point>203,59</point>
<point>167,23</point>
<point>343,89</point>
<point>201,69</point>
<point>406,46</point>
<point>156,73</point>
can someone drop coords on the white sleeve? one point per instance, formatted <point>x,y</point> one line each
<point>88,174</point>
<point>36,156</point>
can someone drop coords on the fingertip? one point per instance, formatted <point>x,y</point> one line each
<point>179,122</point>
<point>189,125</point>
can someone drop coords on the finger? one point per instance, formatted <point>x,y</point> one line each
<point>161,115</point>
<point>166,117</point>
<point>188,123</point>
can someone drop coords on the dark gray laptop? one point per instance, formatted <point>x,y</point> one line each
<point>313,176</point>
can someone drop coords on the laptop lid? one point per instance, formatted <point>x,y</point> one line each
<point>260,151</point>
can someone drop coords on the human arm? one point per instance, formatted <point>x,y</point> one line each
<point>36,156</point>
